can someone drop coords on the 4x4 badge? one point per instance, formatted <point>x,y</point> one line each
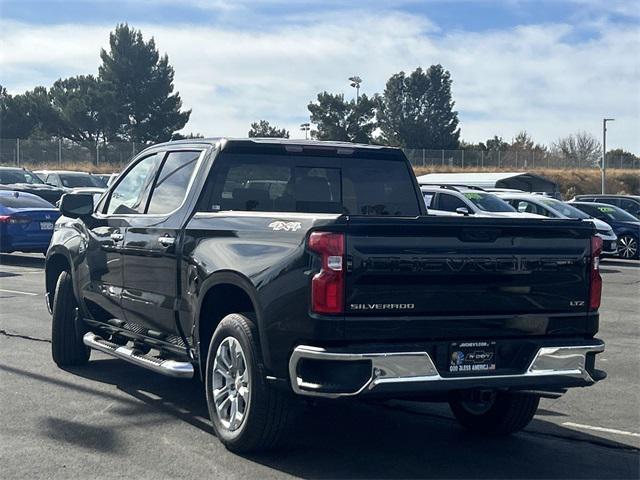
<point>286,226</point>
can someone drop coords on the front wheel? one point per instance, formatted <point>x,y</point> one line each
<point>628,247</point>
<point>247,413</point>
<point>503,413</point>
<point>67,347</point>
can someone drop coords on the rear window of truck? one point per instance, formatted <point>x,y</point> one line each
<point>352,186</point>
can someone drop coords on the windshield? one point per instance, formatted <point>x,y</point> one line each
<point>615,213</point>
<point>564,209</point>
<point>73,180</point>
<point>8,177</point>
<point>488,203</point>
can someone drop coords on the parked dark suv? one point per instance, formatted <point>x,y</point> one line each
<point>628,203</point>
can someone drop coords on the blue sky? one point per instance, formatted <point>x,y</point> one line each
<point>550,67</point>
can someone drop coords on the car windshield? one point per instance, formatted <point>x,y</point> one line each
<point>74,180</point>
<point>615,213</point>
<point>17,200</point>
<point>488,202</point>
<point>8,177</point>
<point>564,209</point>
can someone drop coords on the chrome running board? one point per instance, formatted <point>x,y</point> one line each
<point>170,368</point>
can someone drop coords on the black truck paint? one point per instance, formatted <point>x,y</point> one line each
<point>411,283</point>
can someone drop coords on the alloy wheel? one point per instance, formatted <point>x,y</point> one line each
<point>231,380</point>
<point>627,246</point>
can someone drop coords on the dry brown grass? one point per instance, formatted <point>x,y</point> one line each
<point>572,181</point>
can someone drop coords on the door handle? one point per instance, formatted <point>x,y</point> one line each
<point>117,237</point>
<point>166,241</point>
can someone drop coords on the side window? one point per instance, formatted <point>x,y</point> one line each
<point>428,198</point>
<point>52,180</point>
<point>610,201</point>
<point>171,187</point>
<point>630,206</point>
<point>128,196</point>
<point>450,203</point>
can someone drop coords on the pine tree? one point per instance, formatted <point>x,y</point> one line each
<point>139,83</point>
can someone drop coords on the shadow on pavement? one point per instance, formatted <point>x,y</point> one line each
<point>22,260</point>
<point>353,439</point>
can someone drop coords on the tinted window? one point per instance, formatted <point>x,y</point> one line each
<point>76,180</point>
<point>295,184</point>
<point>129,194</point>
<point>611,212</point>
<point>450,203</point>
<point>171,186</point>
<point>24,201</point>
<point>523,206</point>
<point>488,203</point>
<point>566,210</point>
<point>630,206</point>
<point>18,176</point>
<point>52,180</point>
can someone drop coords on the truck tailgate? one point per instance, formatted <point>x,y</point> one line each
<point>431,277</point>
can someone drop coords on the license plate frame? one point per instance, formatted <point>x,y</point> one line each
<point>472,357</point>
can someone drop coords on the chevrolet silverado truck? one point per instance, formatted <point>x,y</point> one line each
<point>275,270</point>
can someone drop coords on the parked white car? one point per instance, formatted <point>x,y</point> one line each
<point>552,208</point>
<point>446,200</point>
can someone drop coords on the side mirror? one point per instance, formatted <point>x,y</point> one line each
<point>463,211</point>
<point>76,205</point>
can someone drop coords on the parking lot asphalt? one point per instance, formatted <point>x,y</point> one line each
<point>110,419</point>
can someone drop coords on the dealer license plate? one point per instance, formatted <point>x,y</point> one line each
<point>472,357</point>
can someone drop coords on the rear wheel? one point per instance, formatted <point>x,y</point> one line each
<point>247,413</point>
<point>501,414</point>
<point>628,247</point>
<point>67,347</point>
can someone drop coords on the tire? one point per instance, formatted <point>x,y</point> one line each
<point>267,412</point>
<point>628,247</point>
<point>67,348</point>
<point>505,414</point>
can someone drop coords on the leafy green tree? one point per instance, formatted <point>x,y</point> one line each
<point>140,84</point>
<point>337,119</point>
<point>264,129</point>
<point>79,102</point>
<point>416,110</point>
<point>25,115</point>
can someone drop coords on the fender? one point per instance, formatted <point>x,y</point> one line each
<point>241,281</point>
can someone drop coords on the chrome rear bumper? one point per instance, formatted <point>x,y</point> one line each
<point>558,362</point>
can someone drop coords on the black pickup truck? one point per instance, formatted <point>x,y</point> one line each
<point>276,269</point>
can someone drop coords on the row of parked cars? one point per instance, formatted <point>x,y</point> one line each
<point>28,210</point>
<point>29,200</point>
<point>618,228</point>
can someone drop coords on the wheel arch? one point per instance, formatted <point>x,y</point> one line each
<point>58,260</point>
<point>223,293</point>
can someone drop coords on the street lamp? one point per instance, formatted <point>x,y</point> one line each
<point>603,165</point>
<point>355,83</point>
<point>305,127</point>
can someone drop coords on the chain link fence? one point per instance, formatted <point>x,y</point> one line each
<point>64,153</point>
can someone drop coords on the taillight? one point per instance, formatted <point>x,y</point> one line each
<point>595,289</point>
<point>14,220</point>
<point>327,286</point>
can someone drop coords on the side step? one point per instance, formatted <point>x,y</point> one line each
<point>170,368</point>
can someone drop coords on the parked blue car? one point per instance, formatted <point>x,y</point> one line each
<point>625,225</point>
<point>26,222</point>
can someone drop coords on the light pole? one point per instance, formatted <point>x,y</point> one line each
<point>355,83</point>
<point>603,165</point>
<point>305,127</point>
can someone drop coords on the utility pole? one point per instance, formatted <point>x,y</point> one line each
<point>355,83</point>
<point>305,127</point>
<point>603,165</point>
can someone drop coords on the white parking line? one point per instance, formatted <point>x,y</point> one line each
<point>600,429</point>
<point>16,291</point>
